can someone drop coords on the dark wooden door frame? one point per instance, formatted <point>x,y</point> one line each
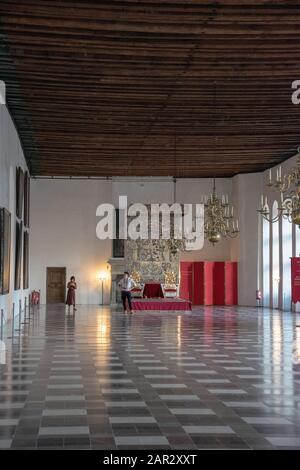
<point>47,273</point>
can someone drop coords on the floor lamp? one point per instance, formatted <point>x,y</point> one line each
<point>102,278</point>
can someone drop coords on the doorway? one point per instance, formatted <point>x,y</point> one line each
<point>56,285</point>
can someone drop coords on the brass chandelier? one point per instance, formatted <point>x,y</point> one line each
<point>218,218</point>
<point>288,187</point>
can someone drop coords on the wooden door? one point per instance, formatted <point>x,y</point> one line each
<point>56,285</point>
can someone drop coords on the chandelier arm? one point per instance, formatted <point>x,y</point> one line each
<point>288,186</point>
<point>218,218</point>
<point>233,235</point>
<point>272,220</point>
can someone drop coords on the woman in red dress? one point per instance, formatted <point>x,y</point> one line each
<point>71,293</point>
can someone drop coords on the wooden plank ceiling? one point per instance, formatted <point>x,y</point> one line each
<point>107,88</point>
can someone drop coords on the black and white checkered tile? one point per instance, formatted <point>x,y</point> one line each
<point>216,378</point>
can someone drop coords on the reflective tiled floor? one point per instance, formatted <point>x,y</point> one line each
<point>214,378</point>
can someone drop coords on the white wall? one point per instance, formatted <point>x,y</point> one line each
<point>11,156</point>
<point>63,234</point>
<point>63,224</point>
<point>244,249</point>
<point>147,191</point>
<point>143,190</point>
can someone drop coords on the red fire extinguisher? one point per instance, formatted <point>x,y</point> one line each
<point>35,297</point>
<point>258,294</point>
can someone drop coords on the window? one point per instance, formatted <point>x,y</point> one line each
<point>287,244</point>
<point>275,258</point>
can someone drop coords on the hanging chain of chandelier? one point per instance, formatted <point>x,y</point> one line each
<point>288,186</point>
<point>219,218</point>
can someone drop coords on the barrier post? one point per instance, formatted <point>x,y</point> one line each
<point>12,322</point>
<point>25,312</point>
<point>20,314</point>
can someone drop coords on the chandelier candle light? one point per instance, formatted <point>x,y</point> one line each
<point>288,187</point>
<point>219,218</point>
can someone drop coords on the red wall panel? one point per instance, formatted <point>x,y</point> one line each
<point>209,282</point>
<point>209,285</point>
<point>198,283</point>
<point>219,283</point>
<point>186,280</point>
<point>231,283</point>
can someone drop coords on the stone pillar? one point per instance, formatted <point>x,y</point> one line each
<point>117,270</point>
<point>113,299</point>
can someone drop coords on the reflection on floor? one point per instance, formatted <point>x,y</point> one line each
<point>213,378</point>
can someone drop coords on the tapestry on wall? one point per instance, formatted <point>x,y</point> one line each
<point>151,258</point>
<point>19,192</point>
<point>5,242</point>
<point>18,252</point>
<point>26,261</point>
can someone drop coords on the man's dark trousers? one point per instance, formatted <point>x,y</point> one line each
<point>126,295</point>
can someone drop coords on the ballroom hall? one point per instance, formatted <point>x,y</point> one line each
<point>149,225</point>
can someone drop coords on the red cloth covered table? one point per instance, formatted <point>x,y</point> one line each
<point>153,290</point>
<point>161,304</point>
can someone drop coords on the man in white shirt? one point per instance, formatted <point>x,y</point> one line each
<point>126,284</point>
